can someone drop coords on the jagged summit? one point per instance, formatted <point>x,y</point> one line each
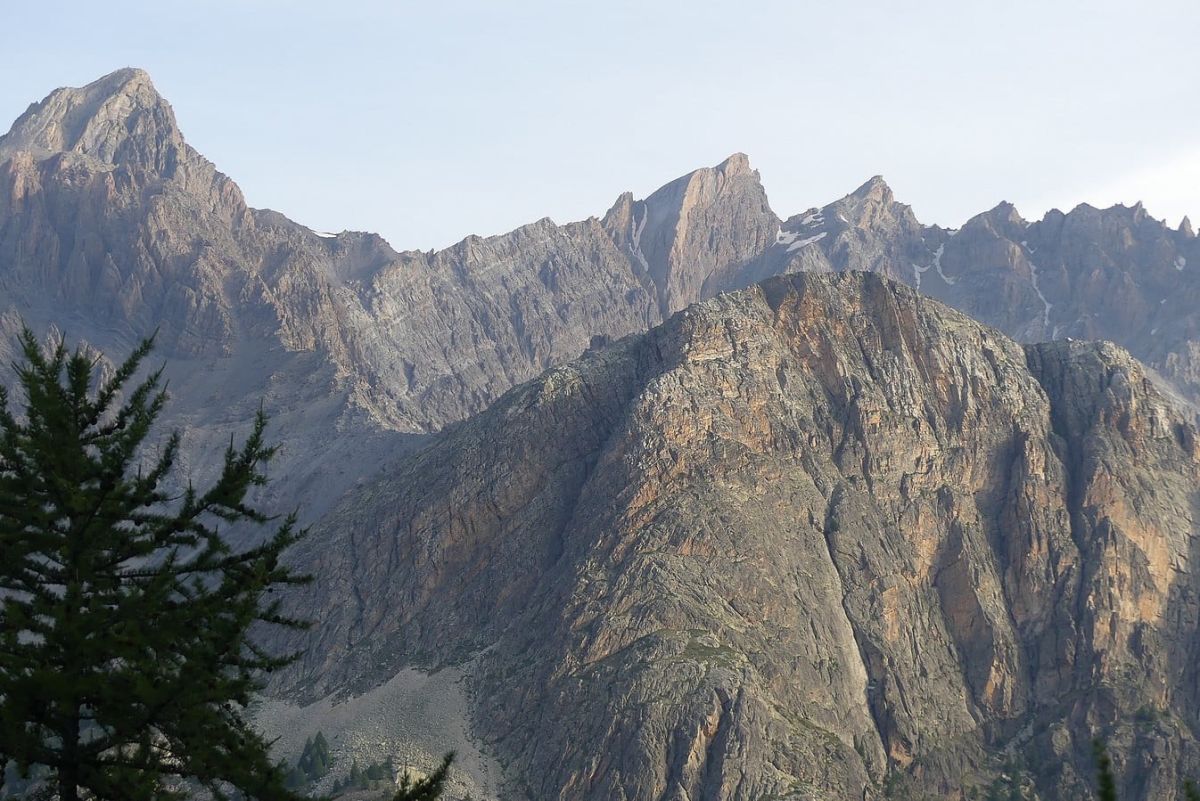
<point>872,206</point>
<point>118,119</point>
<point>734,170</point>
<point>687,236</point>
<point>898,499</point>
<point>706,232</point>
<point>1003,215</point>
<point>874,188</point>
<point>736,164</point>
<point>121,81</point>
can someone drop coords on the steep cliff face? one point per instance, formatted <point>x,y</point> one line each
<point>104,208</point>
<point>818,535</point>
<point>819,538</point>
<point>696,236</point>
<point>108,217</point>
<point>112,227</point>
<point>1116,274</point>
<point>111,223</point>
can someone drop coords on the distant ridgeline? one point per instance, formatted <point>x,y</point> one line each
<point>699,501</point>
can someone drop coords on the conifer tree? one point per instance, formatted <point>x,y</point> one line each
<point>1105,782</point>
<point>429,788</point>
<point>125,657</point>
<point>314,759</point>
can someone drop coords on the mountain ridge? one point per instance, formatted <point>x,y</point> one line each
<point>569,425</point>
<point>129,230</point>
<point>816,538</point>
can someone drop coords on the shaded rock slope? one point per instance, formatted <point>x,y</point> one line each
<point>818,535</point>
<point>112,225</point>
<point>821,538</point>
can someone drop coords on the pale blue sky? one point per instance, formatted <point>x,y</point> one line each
<point>429,121</point>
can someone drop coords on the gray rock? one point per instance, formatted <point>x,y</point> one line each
<point>817,536</point>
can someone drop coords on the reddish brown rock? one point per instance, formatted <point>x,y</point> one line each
<point>812,537</point>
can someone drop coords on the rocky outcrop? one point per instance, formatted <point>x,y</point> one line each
<point>1116,274</point>
<point>820,538</point>
<point>109,218</point>
<point>112,227</point>
<point>695,236</point>
<point>818,535</point>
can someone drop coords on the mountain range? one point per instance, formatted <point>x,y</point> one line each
<point>682,515</point>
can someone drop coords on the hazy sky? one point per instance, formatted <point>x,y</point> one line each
<point>426,121</point>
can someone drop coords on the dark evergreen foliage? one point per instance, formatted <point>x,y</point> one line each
<point>1105,783</point>
<point>355,780</point>
<point>294,778</point>
<point>314,760</point>
<point>427,789</point>
<point>125,656</point>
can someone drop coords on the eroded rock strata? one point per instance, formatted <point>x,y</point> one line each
<point>813,537</point>
<point>819,535</point>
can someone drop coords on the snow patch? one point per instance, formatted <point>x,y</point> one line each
<point>635,237</point>
<point>1047,305</point>
<point>815,218</point>
<point>325,234</point>
<point>937,264</point>
<point>918,271</point>
<point>806,241</point>
<point>1180,263</point>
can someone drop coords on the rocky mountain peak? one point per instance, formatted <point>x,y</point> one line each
<point>1006,212</point>
<point>616,219</point>
<point>732,177</point>
<point>1185,227</point>
<point>119,119</point>
<point>1003,219</point>
<point>736,164</point>
<point>1139,213</point>
<point>875,189</point>
<point>873,206</point>
<point>697,231</point>
<point>914,514</point>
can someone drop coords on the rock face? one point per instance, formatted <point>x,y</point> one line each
<point>1115,274</point>
<point>695,236</point>
<point>107,215</point>
<point>111,222</point>
<point>819,538</point>
<point>818,535</point>
<point>113,227</point>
